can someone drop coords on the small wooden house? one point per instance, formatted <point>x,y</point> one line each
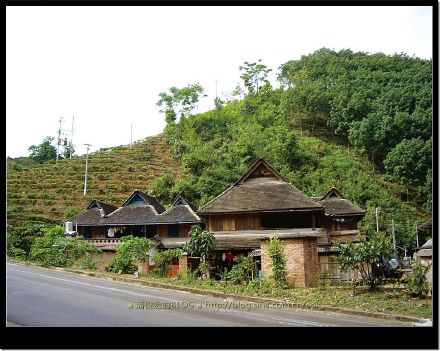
<point>140,215</point>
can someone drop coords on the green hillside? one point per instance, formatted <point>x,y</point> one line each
<point>52,192</point>
<point>356,121</point>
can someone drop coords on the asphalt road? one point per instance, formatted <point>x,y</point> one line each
<point>41,297</point>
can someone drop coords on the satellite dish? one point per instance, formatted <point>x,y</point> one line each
<point>393,263</point>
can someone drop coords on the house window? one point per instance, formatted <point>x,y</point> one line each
<point>173,230</point>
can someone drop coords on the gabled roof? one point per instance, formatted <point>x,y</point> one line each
<point>333,193</point>
<point>336,205</point>
<point>106,208</point>
<point>139,196</point>
<point>181,212</point>
<point>95,214</point>
<point>182,200</point>
<point>136,214</point>
<point>260,189</point>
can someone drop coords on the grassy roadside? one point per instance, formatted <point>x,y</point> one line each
<point>389,301</point>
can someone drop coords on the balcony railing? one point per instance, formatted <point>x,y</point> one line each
<point>104,240</point>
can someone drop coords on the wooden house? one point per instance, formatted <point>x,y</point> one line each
<point>261,203</point>
<point>140,215</point>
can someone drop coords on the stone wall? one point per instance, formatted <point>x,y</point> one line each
<point>301,258</point>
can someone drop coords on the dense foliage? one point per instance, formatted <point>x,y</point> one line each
<point>43,152</point>
<point>366,258</point>
<point>20,240</point>
<point>374,100</point>
<point>163,260</point>
<point>52,247</point>
<point>418,283</point>
<point>200,244</point>
<point>293,128</point>
<point>244,269</point>
<point>128,253</point>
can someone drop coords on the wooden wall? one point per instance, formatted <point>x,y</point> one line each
<point>248,221</point>
<point>162,230</point>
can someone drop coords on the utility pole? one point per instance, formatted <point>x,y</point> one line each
<point>377,219</point>
<point>215,89</point>
<point>59,139</point>
<point>71,138</point>
<point>417,234</point>
<point>85,177</point>
<point>394,235</point>
<point>131,134</point>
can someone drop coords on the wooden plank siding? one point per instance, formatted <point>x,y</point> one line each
<point>247,221</point>
<point>162,230</point>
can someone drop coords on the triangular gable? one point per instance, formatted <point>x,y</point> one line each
<point>135,198</point>
<point>333,193</point>
<point>93,204</point>
<point>260,169</point>
<point>180,200</point>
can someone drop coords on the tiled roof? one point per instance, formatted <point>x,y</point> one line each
<point>136,214</point>
<point>95,213</point>
<point>178,214</point>
<point>334,207</point>
<point>92,216</point>
<point>260,194</point>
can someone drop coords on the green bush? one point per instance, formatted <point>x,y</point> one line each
<point>22,239</point>
<point>417,285</point>
<point>163,260</point>
<point>131,250</point>
<point>50,248</point>
<point>245,269</point>
<point>365,258</point>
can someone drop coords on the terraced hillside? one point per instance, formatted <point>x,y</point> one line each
<point>48,192</point>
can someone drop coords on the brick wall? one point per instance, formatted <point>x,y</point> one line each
<point>301,258</point>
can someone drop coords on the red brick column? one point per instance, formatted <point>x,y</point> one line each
<point>183,262</point>
<point>143,266</point>
<point>301,259</point>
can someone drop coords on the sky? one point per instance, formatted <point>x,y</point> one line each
<point>105,66</point>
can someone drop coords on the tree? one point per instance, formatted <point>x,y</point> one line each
<point>68,149</point>
<point>366,258</point>
<point>201,243</point>
<point>277,261</point>
<point>253,75</point>
<point>408,163</point>
<point>43,152</point>
<point>182,100</point>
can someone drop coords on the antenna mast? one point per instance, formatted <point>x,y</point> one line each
<point>59,139</point>
<point>71,137</point>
